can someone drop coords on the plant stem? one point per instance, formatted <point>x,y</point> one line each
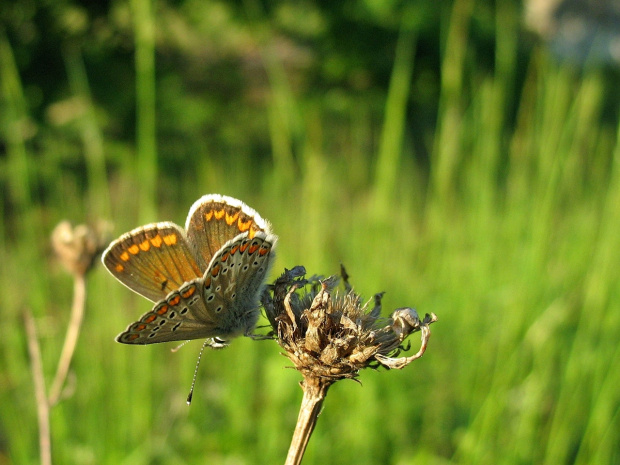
<point>43,408</point>
<point>73,332</point>
<point>146,143</point>
<point>315,390</point>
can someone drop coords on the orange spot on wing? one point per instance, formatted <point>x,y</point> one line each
<point>124,256</point>
<point>243,226</point>
<point>144,246</point>
<point>119,268</point>
<point>215,271</point>
<point>139,327</point>
<point>253,248</point>
<point>219,214</point>
<point>264,250</point>
<point>208,281</point>
<point>244,246</point>
<point>230,219</point>
<point>209,215</point>
<point>189,292</point>
<point>225,256</point>
<point>157,241</point>
<point>133,249</point>
<point>170,239</point>
<point>175,300</point>
<point>131,337</point>
<point>234,250</point>
<point>151,316</point>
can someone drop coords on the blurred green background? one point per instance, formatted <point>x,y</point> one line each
<point>438,149</point>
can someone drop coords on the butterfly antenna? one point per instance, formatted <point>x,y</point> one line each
<point>191,391</point>
<point>174,349</point>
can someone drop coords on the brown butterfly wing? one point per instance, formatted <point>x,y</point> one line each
<point>178,317</point>
<point>216,219</point>
<point>152,260</point>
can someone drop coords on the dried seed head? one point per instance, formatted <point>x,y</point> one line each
<point>333,335</point>
<point>77,247</point>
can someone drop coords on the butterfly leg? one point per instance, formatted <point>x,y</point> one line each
<point>217,343</point>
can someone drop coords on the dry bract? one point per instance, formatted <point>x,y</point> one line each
<point>333,335</point>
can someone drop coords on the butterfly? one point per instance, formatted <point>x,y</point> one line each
<point>206,280</point>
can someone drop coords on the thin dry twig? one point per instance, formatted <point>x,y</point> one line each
<point>43,408</point>
<point>71,338</point>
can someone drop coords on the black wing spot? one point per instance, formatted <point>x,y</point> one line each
<point>210,298</point>
<point>184,311</point>
<point>175,327</point>
<point>164,283</point>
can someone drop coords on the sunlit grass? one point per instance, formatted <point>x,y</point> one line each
<point>514,246</point>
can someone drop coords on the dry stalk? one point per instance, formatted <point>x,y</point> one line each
<point>315,390</point>
<point>43,409</point>
<point>71,338</point>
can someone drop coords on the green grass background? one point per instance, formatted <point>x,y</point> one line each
<point>508,231</point>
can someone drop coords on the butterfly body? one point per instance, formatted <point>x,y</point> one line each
<point>206,280</point>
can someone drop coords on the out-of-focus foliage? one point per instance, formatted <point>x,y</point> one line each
<point>438,149</point>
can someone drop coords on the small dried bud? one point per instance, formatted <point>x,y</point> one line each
<point>332,336</point>
<point>404,321</point>
<point>78,247</point>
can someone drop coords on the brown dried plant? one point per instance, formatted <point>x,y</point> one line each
<point>331,336</point>
<point>77,249</point>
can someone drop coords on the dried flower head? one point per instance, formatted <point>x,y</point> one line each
<point>333,335</point>
<point>77,247</point>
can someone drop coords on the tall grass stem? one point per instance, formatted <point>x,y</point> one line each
<point>144,39</point>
